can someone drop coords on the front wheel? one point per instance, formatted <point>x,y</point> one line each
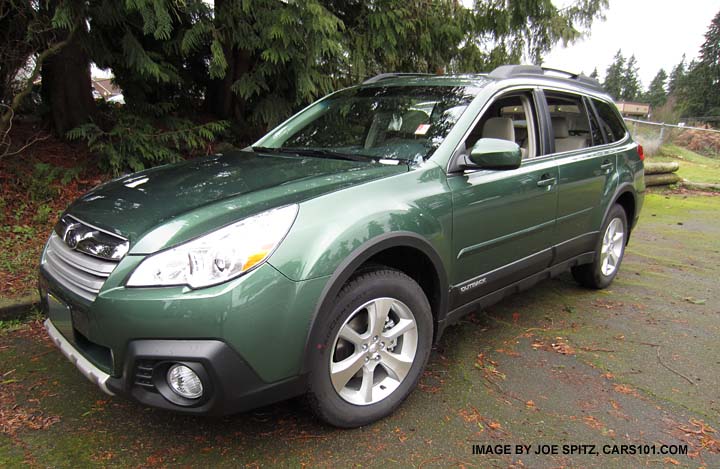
<point>609,252</point>
<point>377,340</point>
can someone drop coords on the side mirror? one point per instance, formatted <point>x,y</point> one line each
<point>493,153</point>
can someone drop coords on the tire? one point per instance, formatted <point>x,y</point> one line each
<point>356,338</point>
<point>609,252</point>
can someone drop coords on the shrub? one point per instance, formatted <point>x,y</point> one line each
<point>138,140</point>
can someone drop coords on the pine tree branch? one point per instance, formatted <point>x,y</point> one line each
<point>7,116</point>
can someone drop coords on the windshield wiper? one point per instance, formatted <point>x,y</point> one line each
<point>318,152</point>
<point>266,150</point>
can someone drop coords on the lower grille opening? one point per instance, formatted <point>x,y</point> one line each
<point>102,356</point>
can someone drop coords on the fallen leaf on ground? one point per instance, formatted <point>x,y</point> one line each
<point>511,353</point>
<point>562,347</point>
<point>625,389</point>
<point>592,422</point>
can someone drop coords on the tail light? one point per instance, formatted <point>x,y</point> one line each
<point>641,152</point>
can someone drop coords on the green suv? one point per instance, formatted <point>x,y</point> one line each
<point>327,258</point>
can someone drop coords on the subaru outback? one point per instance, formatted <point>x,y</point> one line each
<point>326,259</point>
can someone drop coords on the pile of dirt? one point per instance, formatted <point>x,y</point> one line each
<point>705,143</point>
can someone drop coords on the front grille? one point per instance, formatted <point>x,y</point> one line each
<point>91,240</point>
<point>80,273</point>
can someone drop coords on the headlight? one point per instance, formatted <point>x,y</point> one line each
<point>218,256</point>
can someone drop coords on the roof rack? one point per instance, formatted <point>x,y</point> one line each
<point>513,71</point>
<point>386,76</point>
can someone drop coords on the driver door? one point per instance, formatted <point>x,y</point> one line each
<point>503,220</point>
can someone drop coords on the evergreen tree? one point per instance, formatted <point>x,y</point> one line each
<point>676,75</point>
<point>656,95</point>
<point>141,42</point>
<point>271,57</point>
<point>710,61</point>
<point>699,89</point>
<point>630,81</point>
<point>257,61</point>
<point>52,33</point>
<point>594,74</point>
<point>614,76</point>
<point>710,50</point>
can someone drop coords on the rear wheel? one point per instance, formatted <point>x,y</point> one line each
<point>609,252</point>
<point>377,340</point>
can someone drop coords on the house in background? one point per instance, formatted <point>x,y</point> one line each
<point>104,88</point>
<point>631,109</point>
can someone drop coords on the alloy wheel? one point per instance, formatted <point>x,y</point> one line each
<point>373,351</point>
<point>612,247</point>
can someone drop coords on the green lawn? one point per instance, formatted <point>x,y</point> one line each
<point>693,167</point>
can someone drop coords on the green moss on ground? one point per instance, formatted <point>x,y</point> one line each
<point>693,167</point>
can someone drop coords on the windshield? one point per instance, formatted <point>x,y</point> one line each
<point>396,122</point>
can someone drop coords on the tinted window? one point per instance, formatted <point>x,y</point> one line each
<point>610,121</point>
<point>571,127</point>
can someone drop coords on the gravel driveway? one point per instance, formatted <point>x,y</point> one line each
<point>636,365</point>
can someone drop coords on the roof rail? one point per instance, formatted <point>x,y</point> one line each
<point>386,76</point>
<point>512,71</point>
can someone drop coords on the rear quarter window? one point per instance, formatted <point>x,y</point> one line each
<point>610,121</point>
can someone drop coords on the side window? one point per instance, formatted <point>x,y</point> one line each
<point>510,117</point>
<point>572,126</point>
<point>610,121</point>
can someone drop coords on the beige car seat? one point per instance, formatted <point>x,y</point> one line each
<point>501,128</point>
<point>563,140</point>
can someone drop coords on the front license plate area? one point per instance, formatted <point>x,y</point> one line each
<point>60,315</point>
<point>80,321</point>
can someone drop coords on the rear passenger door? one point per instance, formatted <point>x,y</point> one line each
<point>585,165</point>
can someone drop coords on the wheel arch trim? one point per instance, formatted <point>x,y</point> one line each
<point>622,189</point>
<point>357,258</point>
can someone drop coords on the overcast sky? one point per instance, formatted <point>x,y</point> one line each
<point>658,32</point>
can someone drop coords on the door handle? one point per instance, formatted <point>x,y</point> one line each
<point>606,165</point>
<point>546,180</point>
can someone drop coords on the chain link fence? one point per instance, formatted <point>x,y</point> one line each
<point>651,135</point>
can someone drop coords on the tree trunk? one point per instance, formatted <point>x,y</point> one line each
<point>661,168</point>
<point>221,100</point>
<point>67,87</point>
<point>662,179</point>
<point>700,186</point>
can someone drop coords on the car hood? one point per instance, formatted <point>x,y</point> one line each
<point>166,205</point>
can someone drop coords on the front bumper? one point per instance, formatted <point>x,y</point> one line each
<point>245,337</point>
<point>91,372</point>
<point>230,385</point>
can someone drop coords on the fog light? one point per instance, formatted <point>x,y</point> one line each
<point>184,382</point>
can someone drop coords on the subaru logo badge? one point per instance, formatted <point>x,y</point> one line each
<point>72,239</point>
<point>71,236</point>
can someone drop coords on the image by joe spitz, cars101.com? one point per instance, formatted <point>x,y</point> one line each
<point>328,258</point>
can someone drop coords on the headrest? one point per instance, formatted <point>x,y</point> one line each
<point>499,127</point>
<point>411,120</point>
<point>560,127</point>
